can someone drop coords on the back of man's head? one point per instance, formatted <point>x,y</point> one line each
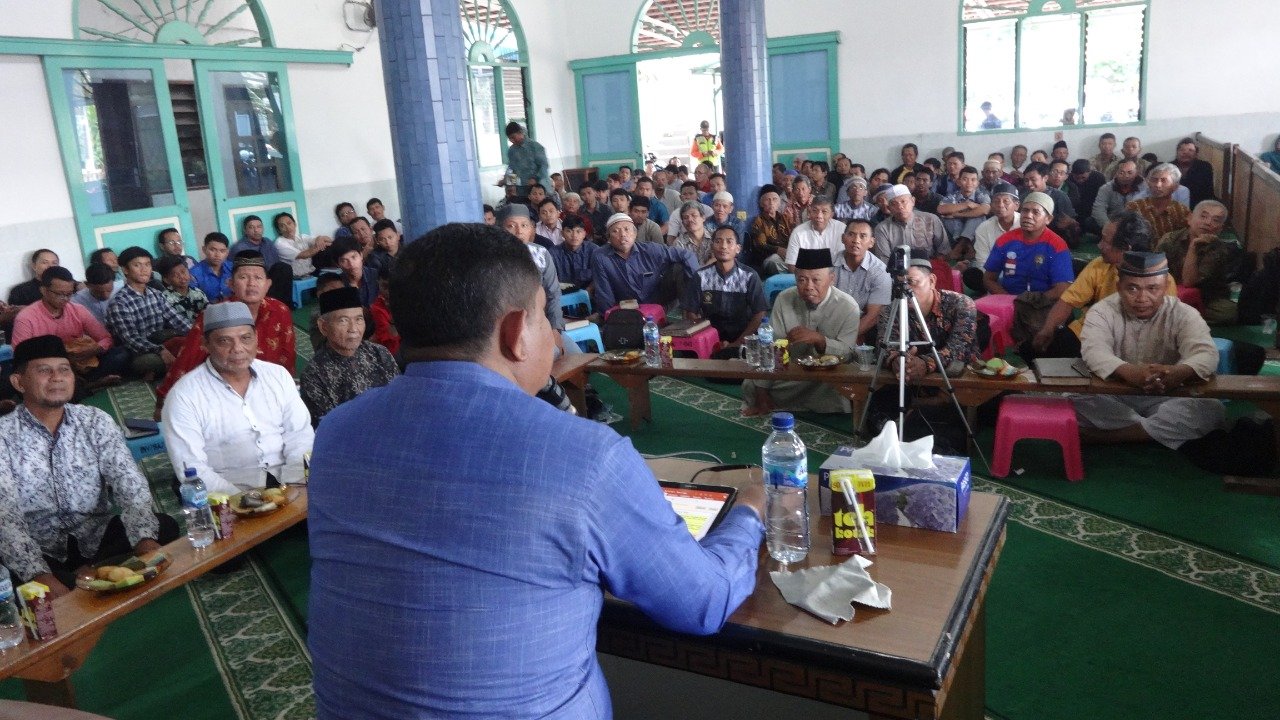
<point>98,274</point>
<point>450,288</point>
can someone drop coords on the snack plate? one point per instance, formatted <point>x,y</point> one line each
<point>614,357</point>
<point>811,363</point>
<point>989,373</point>
<point>149,573</point>
<point>274,506</point>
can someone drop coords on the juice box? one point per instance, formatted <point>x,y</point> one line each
<point>846,537</point>
<point>36,607</point>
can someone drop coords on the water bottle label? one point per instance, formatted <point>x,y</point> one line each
<point>193,496</point>
<point>796,476</point>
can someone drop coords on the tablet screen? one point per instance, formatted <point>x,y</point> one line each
<point>701,506</point>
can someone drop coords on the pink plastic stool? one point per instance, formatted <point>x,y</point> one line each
<point>656,312</point>
<point>1045,418</point>
<point>999,308</point>
<point>1191,296</point>
<point>701,343</point>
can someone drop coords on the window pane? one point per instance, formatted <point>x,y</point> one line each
<point>798,101</point>
<point>123,163</point>
<point>252,146</point>
<point>1113,65</point>
<point>513,102</point>
<point>989,74</point>
<point>1050,71</point>
<point>484,108</point>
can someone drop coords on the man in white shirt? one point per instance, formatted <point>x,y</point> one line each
<point>819,231</point>
<point>236,419</point>
<point>1004,217</point>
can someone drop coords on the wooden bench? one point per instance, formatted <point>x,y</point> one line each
<point>46,666</point>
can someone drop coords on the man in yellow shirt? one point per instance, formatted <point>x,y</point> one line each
<point>706,146</point>
<point>1127,231</point>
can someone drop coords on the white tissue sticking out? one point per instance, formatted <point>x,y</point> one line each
<point>885,451</point>
<point>830,591</point>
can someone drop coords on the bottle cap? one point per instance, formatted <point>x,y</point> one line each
<point>189,472</point>
<point>783,421</point>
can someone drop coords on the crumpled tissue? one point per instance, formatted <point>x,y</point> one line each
<point>830,591</point>
<point>886,451</point>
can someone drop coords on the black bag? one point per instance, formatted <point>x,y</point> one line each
<point>623,330</point>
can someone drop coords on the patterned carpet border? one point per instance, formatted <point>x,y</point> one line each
<point>1206,569</point>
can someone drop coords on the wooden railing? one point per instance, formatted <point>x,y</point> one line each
<point>1219,156</point>
<point>1255,202</point>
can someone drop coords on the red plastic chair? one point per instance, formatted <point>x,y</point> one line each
<point>1044,418</point>
<point>999,310</point>
<point>701,343</point>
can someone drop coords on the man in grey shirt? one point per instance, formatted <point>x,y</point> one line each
<point>861,275</point>
<point>907,226</point>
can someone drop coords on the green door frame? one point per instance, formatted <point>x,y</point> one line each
<point>229,212</point>
<point>118,230</point>
<point>775,46</point>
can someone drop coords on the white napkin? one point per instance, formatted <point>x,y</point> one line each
<point>830,591</point>
<point>885,451</point>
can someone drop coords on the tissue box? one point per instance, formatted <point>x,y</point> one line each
<point>934,498</point>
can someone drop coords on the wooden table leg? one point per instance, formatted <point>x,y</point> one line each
<point>967,697</point>
<point>1262,484</point>
<point>48,682</point>
<point>637,387</point>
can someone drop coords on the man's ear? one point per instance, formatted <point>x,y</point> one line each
<point>15,379</point>
<point>512,334</point>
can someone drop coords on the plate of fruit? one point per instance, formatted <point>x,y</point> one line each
<point>259,502</point>
<point>122,573</point>
<point>621,357</point>
<point>995,368</point>
<point>824,362</point>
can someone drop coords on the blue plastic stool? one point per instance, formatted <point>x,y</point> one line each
<point>301,285</point>
<point>1226,359</point>
<point>776,284</point>
<point>146,445</point>
<point>6,353</point>
<point>585,335</point>
<point>574,299</point>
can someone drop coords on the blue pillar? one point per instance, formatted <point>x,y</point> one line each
<point>745,73</point>
<point>424,68</point>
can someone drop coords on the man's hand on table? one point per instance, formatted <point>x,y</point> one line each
<point>1162,378</point>
<point>145,546</point>
<point>56,588</point>
<point>752,496</point>
<point>916,366</point>
<point>807,335</point>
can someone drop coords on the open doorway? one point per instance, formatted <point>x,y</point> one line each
<point>675,95</point>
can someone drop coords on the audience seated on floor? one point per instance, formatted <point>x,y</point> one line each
<point>820,231</point>
<point>66,474</point>
<point>815,318</point>
<point>1199,258</point>
<point>1126,232</point>
<point>573,258</point>
<point>727,293</point>
<point>27,292</point>
<point>693,234</point>
<point>96,360</point>
<point>631,270</point>
<point>213,273</point>
<point>297,248</point>
<point>346,253</point>
<point>236,419</point>
<point>922,183</point>
<point>1158,205</point>
<point>274,338</point>
<point>517,220</point>
<point>187,299</point>
<point>387,241</point>
<point>346,364</point>
<point>99,287</point>
<point>1036,179</point>
<point>769,233</point>
<point>647,231</point>
<point>862,276</point>
<point>142,319</point>
<point>906,225</point>
<point>281,273</point>
<point>963,211</point>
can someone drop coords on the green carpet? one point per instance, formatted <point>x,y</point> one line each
<point>1144,591</point>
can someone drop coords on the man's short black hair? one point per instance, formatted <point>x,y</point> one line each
<point>923,170</point>
<point>358,218</point>
<point>95,256</point>
<point>99,274</point>
<point>57,272</point>
<point>956,154</point>
<point>849,223</point>
<point>715,175</point>
<point>1038,168</point>
<point>160,235</point>
<point>600,186</point>
<point>1107,136</point>
<point>1060,144</point>
<point>1133,232</point>
<point>512,128</point>
<point>372,202</point>
<point>275,221</point>
<point>683,169</point>
<point>487,209</point>
<point>779,167</point>
<point>624,167</point>
<point>644,179</point>
<point>217,237</point>
<point>1059,162</point>
<point>968,169</point>
<point>168,263</point>
<point>36,255</point>
<point>640,201</point>
<point>615,177</point>
<point>244,224</point>
<point>533,185</point>
<point>822,164</point>
<point>383,224</point>
<point>618,191</point>
<point>858,166</point>
<point>913,146</point>
<point>337,209</point>
<point>545,201</point>
<point>450,287</point>
<point>572,221</point>
<point>689,183</point>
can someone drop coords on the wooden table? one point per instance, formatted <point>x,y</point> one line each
<point>46,667</point>
<point>925,658</point>
<point>571,372</point>
<point>971,391</point>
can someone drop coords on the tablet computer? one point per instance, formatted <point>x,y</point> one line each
<point>701,506</point>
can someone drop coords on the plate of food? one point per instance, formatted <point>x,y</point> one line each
<point>259,502</point>
<point>995,368</point>
<point>123,572</point>
<point>823,362</point>
<point>621,357</point>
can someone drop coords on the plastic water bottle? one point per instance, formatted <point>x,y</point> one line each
<point>764,335</point>
<point>195,509</point>
<point>10,625</point>
<point>786,485</point>
<point>652,343</point>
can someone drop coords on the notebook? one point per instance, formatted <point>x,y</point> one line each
<point>1061,371</point>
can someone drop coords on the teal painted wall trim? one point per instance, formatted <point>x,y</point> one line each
<point>45,47</point>
<point>260,18</point>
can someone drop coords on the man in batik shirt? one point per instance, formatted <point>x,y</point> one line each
<point>347,364</point>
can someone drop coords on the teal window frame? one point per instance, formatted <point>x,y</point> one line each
<point>477,57</point>
<point>609,162</point>
<point>1035,10</point>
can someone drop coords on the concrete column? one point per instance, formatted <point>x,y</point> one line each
<point>424,68</point>
<point>745,87</point>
